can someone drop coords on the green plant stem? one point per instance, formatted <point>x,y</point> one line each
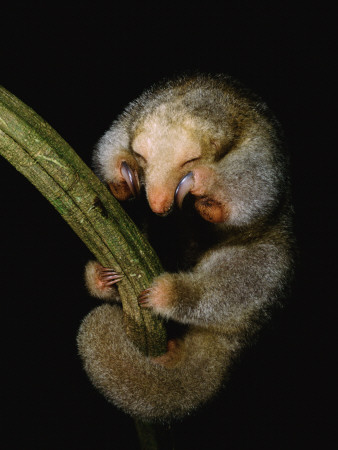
<point>50,164</point>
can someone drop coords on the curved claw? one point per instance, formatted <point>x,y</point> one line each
<point>108,276</point>
<point>143,298</point>
<point>131,178</point>
<point>183,187</point>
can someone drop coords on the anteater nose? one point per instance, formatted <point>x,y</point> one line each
<point>160,202</point>
<point>165,213</point>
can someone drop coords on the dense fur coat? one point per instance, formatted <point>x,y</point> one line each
<point>227,252</point>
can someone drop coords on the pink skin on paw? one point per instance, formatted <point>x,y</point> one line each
<point>158,296</point>
<point>205,189</point>
<point>106,277</point>
<point>172,357</point>
<point>126,182</point>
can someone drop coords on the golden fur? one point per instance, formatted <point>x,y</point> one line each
<point>228,253</point>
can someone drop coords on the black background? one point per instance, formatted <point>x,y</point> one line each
<point>78,66</point>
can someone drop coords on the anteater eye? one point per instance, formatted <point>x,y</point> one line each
<point>142,158</point>
<point>190,160</point>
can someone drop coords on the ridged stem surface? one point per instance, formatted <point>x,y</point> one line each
<point>37,151</point>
